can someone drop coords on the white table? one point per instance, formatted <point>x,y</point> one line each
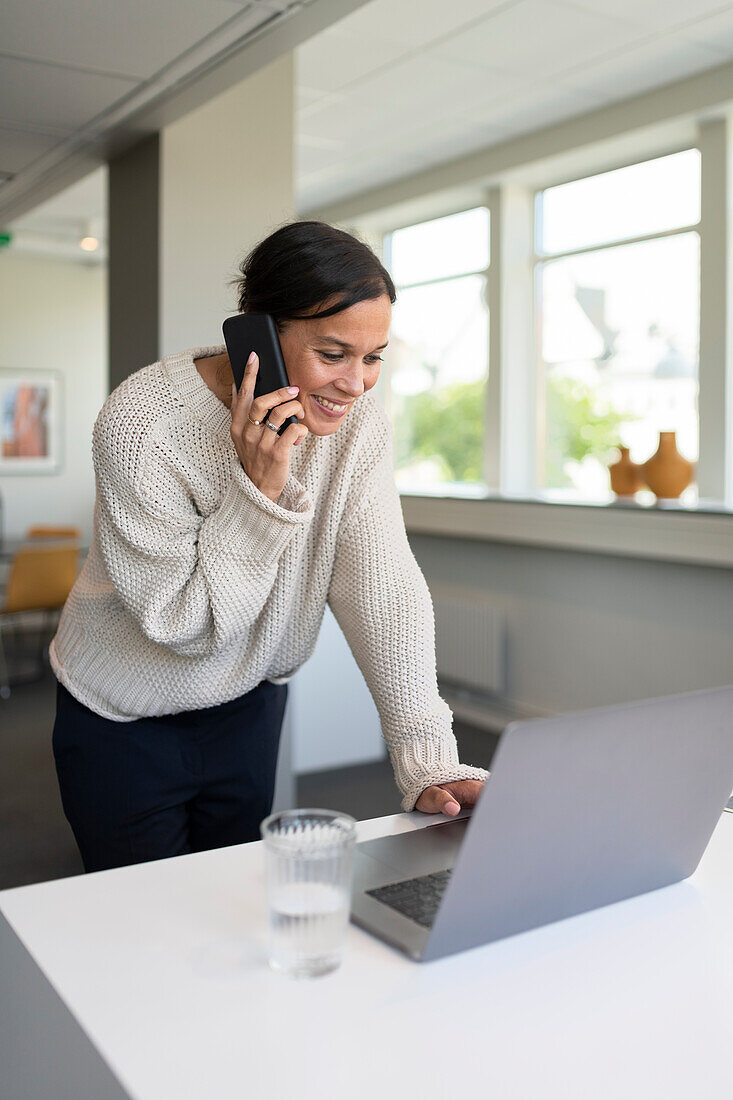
<point>159,989</point>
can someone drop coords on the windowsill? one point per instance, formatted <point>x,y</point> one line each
<point>698,532</point>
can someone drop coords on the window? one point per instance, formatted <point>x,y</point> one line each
<point>437,360</point>
<point>617,273</point>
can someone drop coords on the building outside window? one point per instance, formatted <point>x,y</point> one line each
<point>437,360</point>
<point>617,276</point>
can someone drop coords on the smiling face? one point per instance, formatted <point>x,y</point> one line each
<point>337,358</point>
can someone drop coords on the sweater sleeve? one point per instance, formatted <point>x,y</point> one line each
<point>194,584</point>
<point>382,603</point>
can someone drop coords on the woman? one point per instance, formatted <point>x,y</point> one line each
<point>217,544</point>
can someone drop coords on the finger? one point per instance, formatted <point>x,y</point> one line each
<point>451,805</point>
<point>279,440</point>
<point>436,800</point>
<point>280,413</point>
<point>465,791</point>
<point>239,411</point>
<point>267,401</point>
<point>284,440</point>
<point>250,374</point>
<point>292,436</point>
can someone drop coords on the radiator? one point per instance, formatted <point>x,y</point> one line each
<point>470,640</point>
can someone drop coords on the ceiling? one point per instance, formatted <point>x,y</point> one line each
<point>393,87</point>
<point>384,93</point>
<point>81,80</point>
<point>55,227</point>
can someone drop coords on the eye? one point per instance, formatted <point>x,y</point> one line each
<point>334,358</point>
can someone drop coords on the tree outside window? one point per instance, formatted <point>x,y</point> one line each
<point>438,354</point>
<point>618,275</point>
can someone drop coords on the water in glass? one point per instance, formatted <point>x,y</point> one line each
<point>309,868</point>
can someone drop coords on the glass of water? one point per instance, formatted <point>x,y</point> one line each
<point>309,858</point>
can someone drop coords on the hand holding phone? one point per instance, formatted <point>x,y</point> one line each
<point>246,332</point>
<point>264,453</point>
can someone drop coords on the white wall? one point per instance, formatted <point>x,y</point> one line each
<point>53,315</point>
<point>588,630</point>
<point>333,726</point>
<point>226,175</point>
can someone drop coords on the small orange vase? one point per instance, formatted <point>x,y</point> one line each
<point>667,473</point>
<point>625,475</point>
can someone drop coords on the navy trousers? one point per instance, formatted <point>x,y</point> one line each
<point>159,787</point>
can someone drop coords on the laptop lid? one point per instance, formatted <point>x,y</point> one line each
<point>587,809</point>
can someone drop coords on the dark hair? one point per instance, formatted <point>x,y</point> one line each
<point>303,264</point>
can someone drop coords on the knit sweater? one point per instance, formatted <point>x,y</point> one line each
<point>197,586</point>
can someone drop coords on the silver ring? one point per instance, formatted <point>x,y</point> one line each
<point>275,427</point>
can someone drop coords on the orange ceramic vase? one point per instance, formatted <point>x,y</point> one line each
<point>667,473</point>
<point>626,476</point>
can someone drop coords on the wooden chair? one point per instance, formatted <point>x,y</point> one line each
<point>53,533</point>
<point>40,579</point>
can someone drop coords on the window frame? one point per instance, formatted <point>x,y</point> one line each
<point>510,511</point>
<point>540,259</point>
<point>486,274</point>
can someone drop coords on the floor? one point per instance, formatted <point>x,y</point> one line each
<point>36,843</point>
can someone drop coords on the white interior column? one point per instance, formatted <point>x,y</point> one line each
<point>511,413</point>
<point>226,181</point>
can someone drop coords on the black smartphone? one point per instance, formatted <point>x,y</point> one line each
<point>248,332</point>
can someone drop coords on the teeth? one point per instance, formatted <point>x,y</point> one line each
<point>329,404</point>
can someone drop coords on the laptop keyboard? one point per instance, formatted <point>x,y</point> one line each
<point>416,898</point>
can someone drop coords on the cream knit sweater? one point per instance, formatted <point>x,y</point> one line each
<point>197,586</point>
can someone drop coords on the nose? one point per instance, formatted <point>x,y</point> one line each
<point>352,385</point>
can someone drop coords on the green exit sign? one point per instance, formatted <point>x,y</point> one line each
<point>5,239</point>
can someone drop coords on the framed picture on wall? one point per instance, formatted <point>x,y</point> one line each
<point>30,421</point>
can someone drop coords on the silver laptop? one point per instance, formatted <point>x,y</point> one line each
<point>579,811</point>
